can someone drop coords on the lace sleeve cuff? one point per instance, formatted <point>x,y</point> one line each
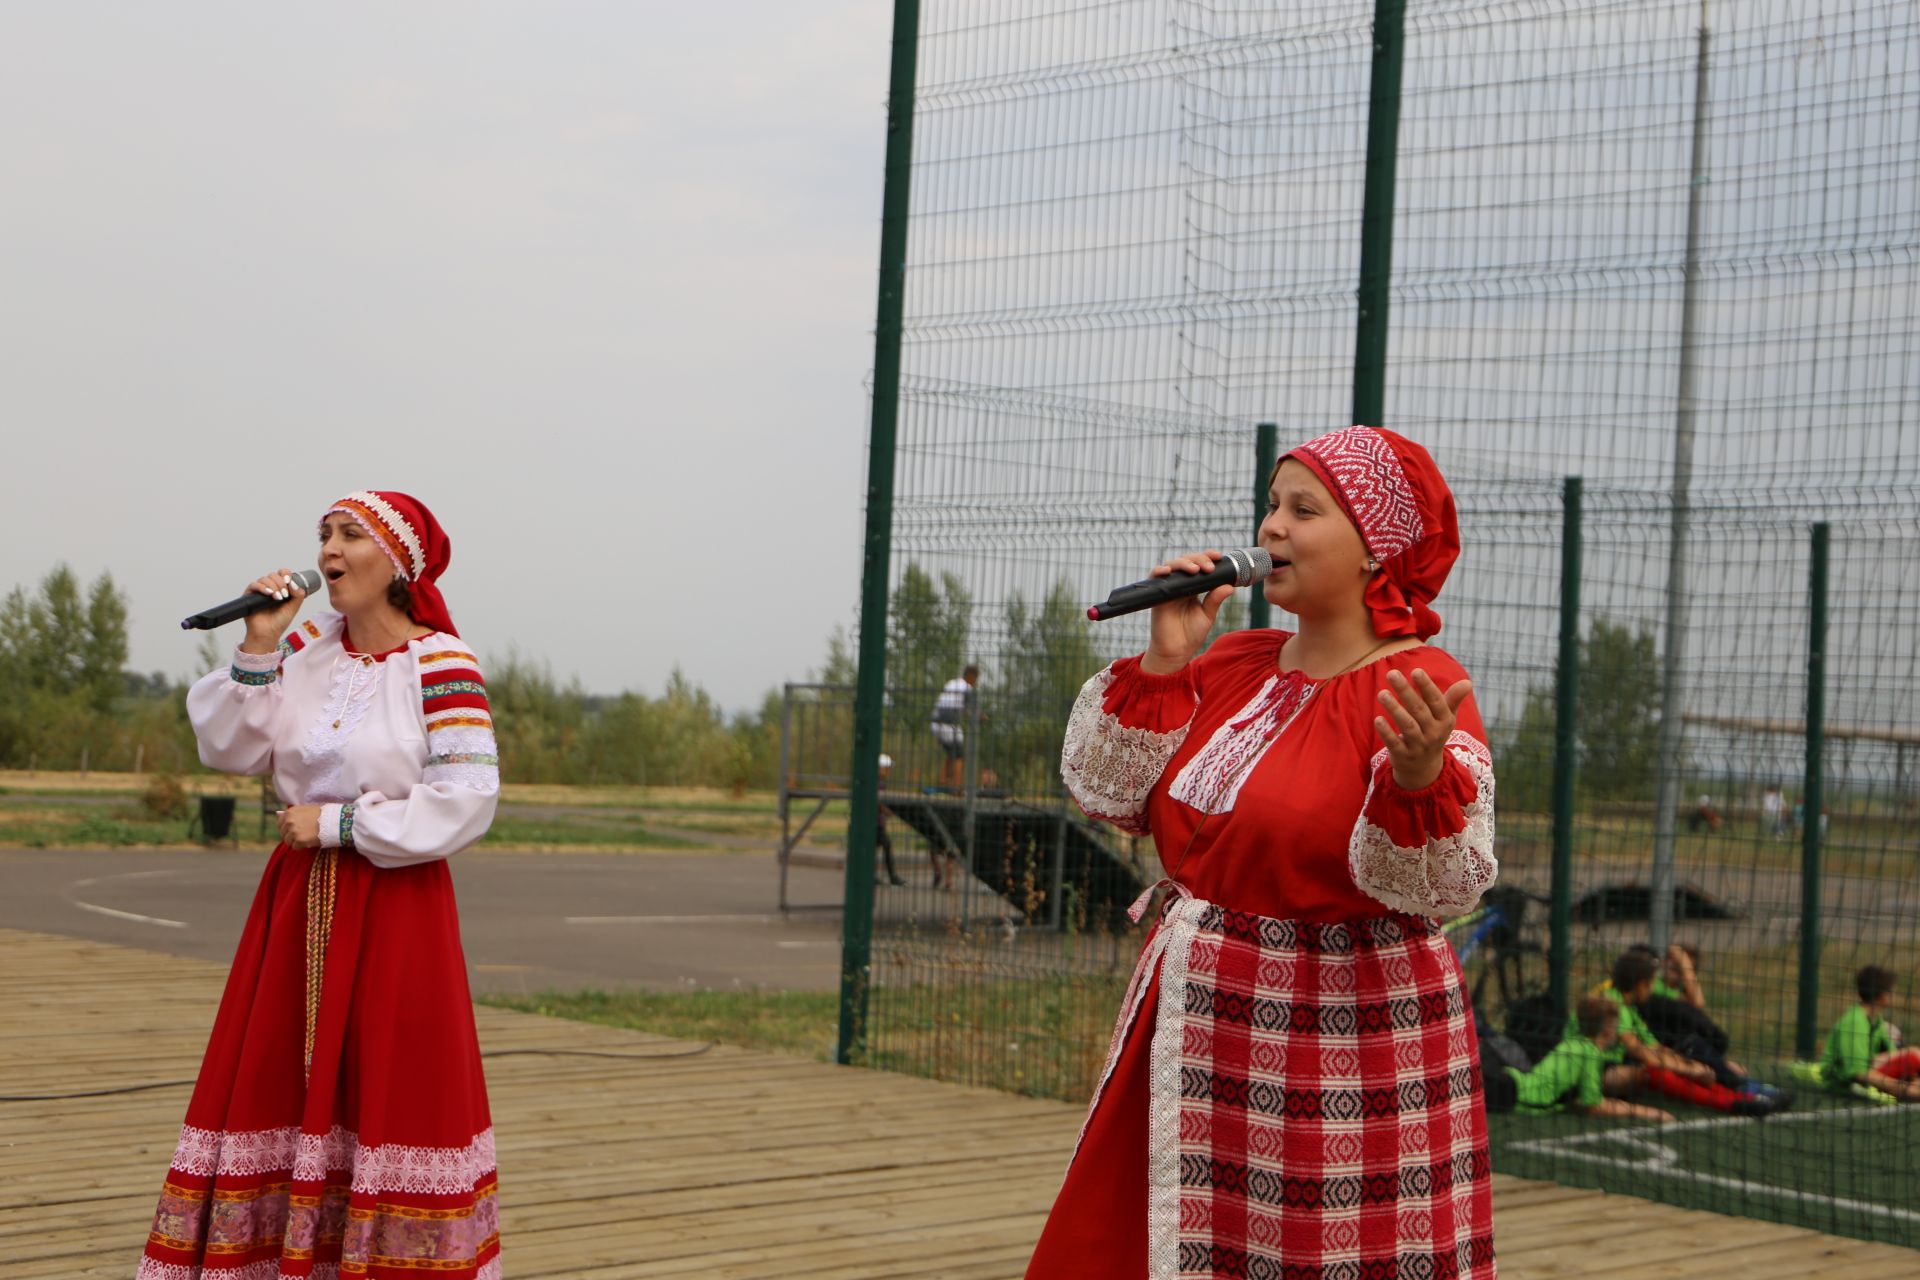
<point>1428,852</point>
<point>256,668</point>
<point>336,826</point>
<point>1126,725</point>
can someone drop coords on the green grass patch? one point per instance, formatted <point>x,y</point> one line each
<point>1865,845</point>
<point>509,832</point>
<point>90,827</point>
<point>801,1024</point>
<point>767,825</point>
<point>1043,1037</point>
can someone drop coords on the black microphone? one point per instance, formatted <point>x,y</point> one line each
<point>241,606</point>
<point>1234,569</point>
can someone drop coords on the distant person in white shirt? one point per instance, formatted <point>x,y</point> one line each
<point>950,711</point>
<point>1773,813</point>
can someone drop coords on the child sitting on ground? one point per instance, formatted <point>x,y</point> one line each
<point>1666,1070</point>
<point>1863,1049</point>
<point>1676,1013</point>
<point>1573,1075</point>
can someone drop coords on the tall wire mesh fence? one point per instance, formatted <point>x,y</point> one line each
<point>1135,233</point>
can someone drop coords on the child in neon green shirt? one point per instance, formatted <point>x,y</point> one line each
<point>1574,1074</point>
<point>1657,1066</point>
<point>1860,1048</point>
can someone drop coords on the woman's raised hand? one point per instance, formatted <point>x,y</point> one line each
<point>265,628</point>
<point>1180,627</point>
<point>1417,721</point>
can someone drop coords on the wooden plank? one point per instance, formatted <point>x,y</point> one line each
<point>662,1159</point>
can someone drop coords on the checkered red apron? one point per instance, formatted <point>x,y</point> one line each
<point>1316,1109</point>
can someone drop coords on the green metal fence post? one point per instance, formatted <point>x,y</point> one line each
<point>856,934</point>
<point>1376,216</point>
<point>1812,801</point>
<point>1266,446</point>
<point>1566,709</point>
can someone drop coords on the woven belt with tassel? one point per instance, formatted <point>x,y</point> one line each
<point>322,876</point>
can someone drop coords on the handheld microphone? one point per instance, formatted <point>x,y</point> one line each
<point>241,606</point>
<point>1234,569</point>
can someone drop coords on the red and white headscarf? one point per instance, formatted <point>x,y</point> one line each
<point>413,540</point>
<point>1394,494</point>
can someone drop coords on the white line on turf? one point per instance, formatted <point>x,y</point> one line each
<point>1742,1184</point>
<point>1662,1160</point>
<point>1713,1122</point>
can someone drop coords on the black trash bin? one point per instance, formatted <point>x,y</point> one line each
<point>216,817</point>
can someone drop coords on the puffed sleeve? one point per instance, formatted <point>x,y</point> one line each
<point>452,805</point>
<point>1125,727</point>
<point>233,711</point>
<point>1430,852</point>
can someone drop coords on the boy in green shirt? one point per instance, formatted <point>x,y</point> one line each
<point>1575,1074</point>
<point>1660,1067</point>
<point>1860,1048</point>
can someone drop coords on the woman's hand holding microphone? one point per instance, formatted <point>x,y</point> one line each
<point>1181,626</point>
<point>300,823</point>
<point>265,628</point>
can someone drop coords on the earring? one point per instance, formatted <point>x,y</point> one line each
<point>1372,566</point>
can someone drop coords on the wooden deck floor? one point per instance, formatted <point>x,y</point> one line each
<point>725,1164</point>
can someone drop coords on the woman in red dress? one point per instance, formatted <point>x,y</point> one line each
<point>1293,1088</point>
<point>339,1125</point>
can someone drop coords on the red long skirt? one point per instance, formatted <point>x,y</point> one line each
<point>378,1161</point>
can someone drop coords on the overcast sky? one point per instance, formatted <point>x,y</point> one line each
<point>594,281</point>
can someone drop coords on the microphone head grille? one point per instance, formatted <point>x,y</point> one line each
<point>1261,565</point>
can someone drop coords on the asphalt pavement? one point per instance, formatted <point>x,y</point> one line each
<point>531,922</point>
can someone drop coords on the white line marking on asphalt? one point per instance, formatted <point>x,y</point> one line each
<point>128,915</point>
<point>120,915</point>
<point>124,875</point>
<point>673,919</point>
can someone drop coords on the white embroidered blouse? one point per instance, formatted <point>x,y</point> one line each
<point>399,752</point>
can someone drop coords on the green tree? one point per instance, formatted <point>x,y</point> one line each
<point>754,758</point>
<point>1525,758</point>
<point>690,736</point>
<point>842,665</point>
<point>44,635</point>
<point>62,669</point>
<point>539,722</point>
<point>927,632</point>
<point>1050,652</point>
<point>103,644</point>
<point>1619,720</point>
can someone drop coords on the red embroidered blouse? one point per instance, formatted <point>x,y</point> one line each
<point>1271,793</point>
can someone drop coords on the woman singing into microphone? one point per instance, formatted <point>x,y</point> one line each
<point>1293,1088</point>
<point>339,1124</point>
